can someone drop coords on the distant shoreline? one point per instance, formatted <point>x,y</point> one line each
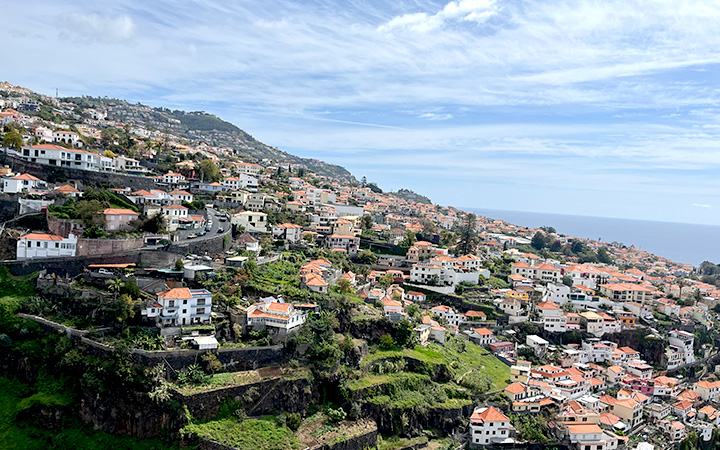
<point>679,242</point>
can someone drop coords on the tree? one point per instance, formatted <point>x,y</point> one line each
<point>115,285</point>
<point>367,257</point>
<point>468,238</point>
<point>125,308</point>
<point>212,363</point>
<point>386,281</point>
<point>366,222</point>
<point>567,280</point>
<point>603,256</point>
<point>405,334</point>
<point>539,241</point>
<point>429,228</point>
<point>109,154</point>
<point>386,342</point>
<point>13,140</point>
<point>344,286</point>
<point>179,265</point>
<point>408,240</point>
<point>88,211</point>
<point>209,170</point>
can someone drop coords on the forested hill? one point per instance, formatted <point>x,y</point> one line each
<point>199,126</point>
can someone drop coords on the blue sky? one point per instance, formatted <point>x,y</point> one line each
<point>590,107</point>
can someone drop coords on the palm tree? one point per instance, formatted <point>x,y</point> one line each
<point>681,284</point>
<point>115,285</point>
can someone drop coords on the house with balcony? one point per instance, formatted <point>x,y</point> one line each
<point>22,183</point>
<point>252,222</point>
<point>118,218</point>
<point>681,349</point>
<point>489,426</point>
<point>180,306</point>
<point>277,317</point>
<point>43,245</point>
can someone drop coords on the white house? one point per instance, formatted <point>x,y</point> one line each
<point>250,221</point>
<point>552,317</point>
<point>684,343</point>
<point>351,244</point>
<point>54,155</point>
<point>482,336</point>
<point>66,137</point>
<point>448,314</point>
<point>180,306</point>
<point>288,231</point>
<point>21,183</point>
<point>173,178</point>
<point>174,214</point>
<point>489,426</point>
<point>274,315</point>
<point>182,196</point>
<point>42,245</point>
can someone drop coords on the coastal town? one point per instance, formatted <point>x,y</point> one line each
<point>200,286</point>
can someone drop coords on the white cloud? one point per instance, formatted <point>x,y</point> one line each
<point>477,11</point>
<point>702,205</point>
<point>98,27</point>
<point>435,116</point>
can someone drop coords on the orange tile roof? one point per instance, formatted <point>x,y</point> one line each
<point>491,414</point>
<point>175,293</point>
<point>42,237</point>
<point>25,176</point>
<point>118,211</point>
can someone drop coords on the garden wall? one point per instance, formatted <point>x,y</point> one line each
<point>232,359</point>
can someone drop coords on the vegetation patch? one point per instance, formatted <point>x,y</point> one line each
<point>255,434</point>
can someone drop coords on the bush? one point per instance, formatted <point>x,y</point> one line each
<point>293,420</point>
<point>336,415</point>
<point>193,375</point>
<point>386,342</point>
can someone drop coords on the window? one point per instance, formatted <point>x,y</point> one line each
<point>184,311</point>
<point>184,302</point>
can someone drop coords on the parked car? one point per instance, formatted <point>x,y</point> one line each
<point>104,272</point>
<point>220,230</point>
<point>192,236</point>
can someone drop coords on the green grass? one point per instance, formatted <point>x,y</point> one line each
<point>226,379</point>
<point>252,434</point>
<point>371,380</point>
<point>15,396</point>
<point>473,358</point>
<point>393,442</point>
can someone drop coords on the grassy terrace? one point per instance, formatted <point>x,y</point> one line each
<point>255,434</point>
<point>228,379</point>
<point>15,397</point>
<point>473,358</point>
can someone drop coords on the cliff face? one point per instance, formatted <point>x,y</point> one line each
<point>132,414</point>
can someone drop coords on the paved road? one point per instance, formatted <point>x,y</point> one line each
<point>217,224</point>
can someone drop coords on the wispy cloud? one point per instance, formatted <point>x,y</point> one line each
<point>563,94</point>
<point>702,205</point>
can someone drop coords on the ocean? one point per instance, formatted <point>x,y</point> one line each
<point>680,242</point>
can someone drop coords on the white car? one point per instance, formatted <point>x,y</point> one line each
<point>104,272</point>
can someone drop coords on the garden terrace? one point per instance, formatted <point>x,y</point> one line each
<point>458,362</point>
<point>255,434</point>
<point>232,379</point>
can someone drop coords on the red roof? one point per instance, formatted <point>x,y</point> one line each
<point>42,237</point>
<point>491,414</point>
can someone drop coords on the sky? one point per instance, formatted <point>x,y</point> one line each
<point>589,107</point>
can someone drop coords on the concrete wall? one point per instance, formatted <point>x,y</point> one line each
<point>88,247</point>
<point>232,359</point>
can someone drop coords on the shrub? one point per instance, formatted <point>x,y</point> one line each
<point>336,415</point>
<point>293,420</point>
<point>386,342</point>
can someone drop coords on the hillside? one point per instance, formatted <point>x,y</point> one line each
<point>412,196</point>
<point>195,127</point>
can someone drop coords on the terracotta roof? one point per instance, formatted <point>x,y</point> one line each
<point>515,388</point>
<point>25,176</point>
<point>118,211</point>
<point>66,189</point>
<point>175,293</point>
<point>491,414</point>
<point>42,237</point>
<point>277,306</point>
